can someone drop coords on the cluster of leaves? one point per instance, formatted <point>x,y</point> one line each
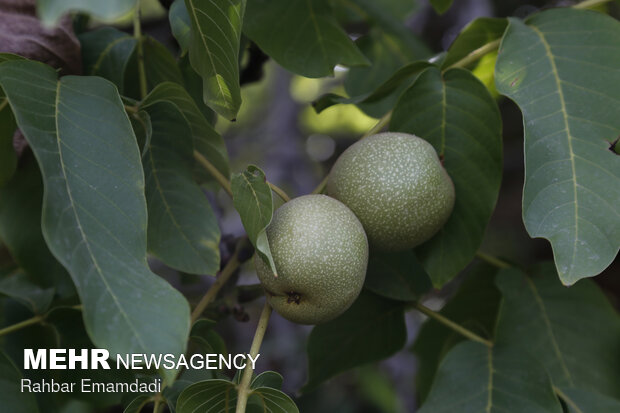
<point>120,171</point>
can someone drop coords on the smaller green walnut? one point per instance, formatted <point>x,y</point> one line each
<point>321,252</point>
<point>397,187</point>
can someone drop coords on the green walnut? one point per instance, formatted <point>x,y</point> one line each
<point>397,187</point>
<point>321,252</point>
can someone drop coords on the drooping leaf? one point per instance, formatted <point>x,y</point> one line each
<point>214,51</point>
<point>405,74</point>
<point>455,113</point>
<point>193,86</point>
<point>574,332</point>
<point>388,52</point>
<point>94,210</point>
<point>106,52</point>
<point>585,401</point>
<point>474,306</point>
<point>398,276</point>
<point>561,68</point>
<point>474,378</point>
<point>441,6</point>
<point>20,230</point>
<point>49,11</point>
<point>372,329</point>
<point>205,139</point>
<point>180,24</point>
<point>17,286</point>
<point>182,227</point>
<point>252,200</point>
<point>478,33</point>
<point>302,36</point>
<point>13,399</point>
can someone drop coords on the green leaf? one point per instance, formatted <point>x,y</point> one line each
<point>476,34</point>
<point>186,379</point>
<point>556,324</point>
<point>20,230</point>
<point>143,129</point>
<point>474,378</point>
<point>584,401</point>
<point>407,73</point>
<point>137,404</point>
<point>180,24</point>
<point>159,64</point>
<point>398,276</point>
<point>371,330</point>
<point>8,157</point>
<point>388,52</point>
<point>214,51</point>
<point>50,11</point>
<point>205,139</point>
<point>13,399</point>
<point>193,86</point>
<point>267,379</point>
<point>252,200</point>
<point>208,339</point>
<point>271,400</point>
<point>106,52</point>
<point>94,214</point>
<point>19,287</point>
<point>474,306</point>
<point>441,6</point>
<point>562,70</point>
<point>182,228</point>
<point>457,115</point>
<point>302,36</point>
<point>220,396</point>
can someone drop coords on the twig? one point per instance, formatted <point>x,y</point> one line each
<point>452,325</point>
<point>243,389</point>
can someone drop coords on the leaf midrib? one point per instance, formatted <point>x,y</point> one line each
<point>79,224</point>
<point>547,321</point>
<point>569,137</point>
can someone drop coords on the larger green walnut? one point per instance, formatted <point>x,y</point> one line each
<point>321,252</point>
<point>397,187</point>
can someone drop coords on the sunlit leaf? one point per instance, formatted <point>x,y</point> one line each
<point>214,51</point>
